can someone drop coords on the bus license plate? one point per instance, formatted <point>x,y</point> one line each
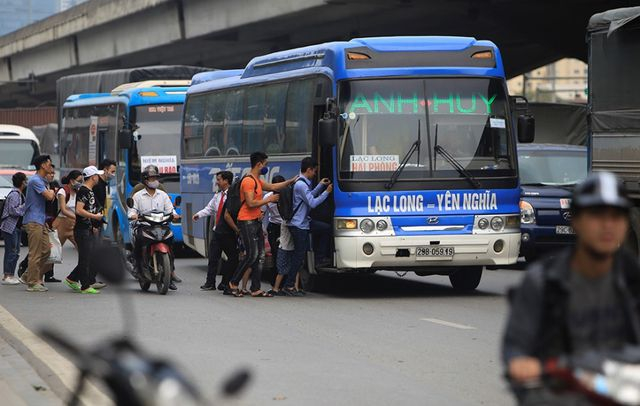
<point>564,230</point>
<point>435,251</point>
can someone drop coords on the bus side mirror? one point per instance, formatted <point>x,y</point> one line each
<point>526,129</point>
<point>125,138</point>
<point>129,202</point>
<point>328,130</point>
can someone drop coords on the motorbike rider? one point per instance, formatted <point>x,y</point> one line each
<point>585,298</point>
<point>146,200</point>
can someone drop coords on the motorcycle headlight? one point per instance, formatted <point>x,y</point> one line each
<point>527,213</point>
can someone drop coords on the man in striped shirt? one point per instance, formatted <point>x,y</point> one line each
<point>11,223</point>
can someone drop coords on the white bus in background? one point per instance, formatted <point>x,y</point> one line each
<point>18,147</point>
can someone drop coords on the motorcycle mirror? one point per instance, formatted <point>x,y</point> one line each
<point>109,262</point>
<point>129,202</point>
<point>236,382</point>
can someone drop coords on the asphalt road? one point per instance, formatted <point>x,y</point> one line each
<point>374,340</point>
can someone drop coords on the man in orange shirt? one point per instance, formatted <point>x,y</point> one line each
<point>249,223</point>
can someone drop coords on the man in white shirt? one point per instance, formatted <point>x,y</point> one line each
<point>146,200</point>
<point>216,247</point>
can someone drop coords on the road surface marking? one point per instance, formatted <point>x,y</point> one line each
<point>40,355</point>
<point>449,324</point>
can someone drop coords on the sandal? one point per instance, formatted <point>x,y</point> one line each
<point>245,292</point>
<point>236,292</point>
<point>260,293</point>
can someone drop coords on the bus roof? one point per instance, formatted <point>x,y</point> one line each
<point>215,75</point>
<point>107,80</point>
<point>132,96</point>
<point>16,132</point>
<point>370,57</point>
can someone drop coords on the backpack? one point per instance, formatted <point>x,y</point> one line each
<point>234,200</point>
<point>285,203</point>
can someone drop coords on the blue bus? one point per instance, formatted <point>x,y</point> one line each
<point>137,124</point>
<point>418,135</point>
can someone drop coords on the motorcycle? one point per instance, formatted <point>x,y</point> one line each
<point>132,376</point>
<point>594,377</point>
<point>157,256</point>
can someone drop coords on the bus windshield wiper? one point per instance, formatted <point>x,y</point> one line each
<point>457,165</point>
<point>396,174</point>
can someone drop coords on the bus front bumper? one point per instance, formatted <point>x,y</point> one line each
<point>400,251</point>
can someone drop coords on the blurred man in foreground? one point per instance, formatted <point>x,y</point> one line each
<point>586,298</point>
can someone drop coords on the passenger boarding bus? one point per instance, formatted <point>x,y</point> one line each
<point>417,134</point>
<point>137,124</point>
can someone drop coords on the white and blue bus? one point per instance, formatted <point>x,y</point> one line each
<point>418,135</point>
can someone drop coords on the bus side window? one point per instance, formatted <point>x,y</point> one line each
<point>214,124</point>
<point>274,118</point>
<point>193,126</point>
<point>299,116</point>
<point>233,122</point>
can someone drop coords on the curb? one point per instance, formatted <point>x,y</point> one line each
<point>57,371</point>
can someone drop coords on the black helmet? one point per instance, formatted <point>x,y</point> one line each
<point>150,171</point>
<point>600,189</point>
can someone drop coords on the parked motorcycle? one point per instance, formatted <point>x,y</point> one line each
<point>157,255</point>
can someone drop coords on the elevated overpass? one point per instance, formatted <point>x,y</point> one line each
<point>108,34</point>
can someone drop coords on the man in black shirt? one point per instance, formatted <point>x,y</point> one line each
<point>108,169</point>
<point>86,232</point>
<point>586,298</point>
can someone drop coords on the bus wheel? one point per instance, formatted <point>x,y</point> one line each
<point>466,279</point>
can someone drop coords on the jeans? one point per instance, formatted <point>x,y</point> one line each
<point>39,250</point>
<point>273,233</point>
<point>11,251</point>
<point>301,246</point>
<point>86,240</point>
<point>253,241</point>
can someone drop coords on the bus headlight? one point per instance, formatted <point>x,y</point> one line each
<point>346,224</point>
<point>527,213</point>
<point>497,223</point>
<point>483,223</point>
<point>381,225</point>
<point>367,226</point>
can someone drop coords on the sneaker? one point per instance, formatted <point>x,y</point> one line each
<point>75,286</point>
<point>175,278</point>
<point>36,288</point>
<point>10,280</point>
<point>52,280</point>
<point>90,291</point>
<point>173,286</point>
<point>207,287</point>
<point>99,285</point>
<point>222,286</point>
<point>22,281</point>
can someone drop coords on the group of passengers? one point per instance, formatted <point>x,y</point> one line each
<point>242,221</point>
<point>40,205</point>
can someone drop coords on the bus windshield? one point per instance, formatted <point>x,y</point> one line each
<point>159,128</point>
<point>460,126</point>
<point>17,154</point>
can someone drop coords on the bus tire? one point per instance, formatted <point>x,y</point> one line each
<point>466,279</point>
